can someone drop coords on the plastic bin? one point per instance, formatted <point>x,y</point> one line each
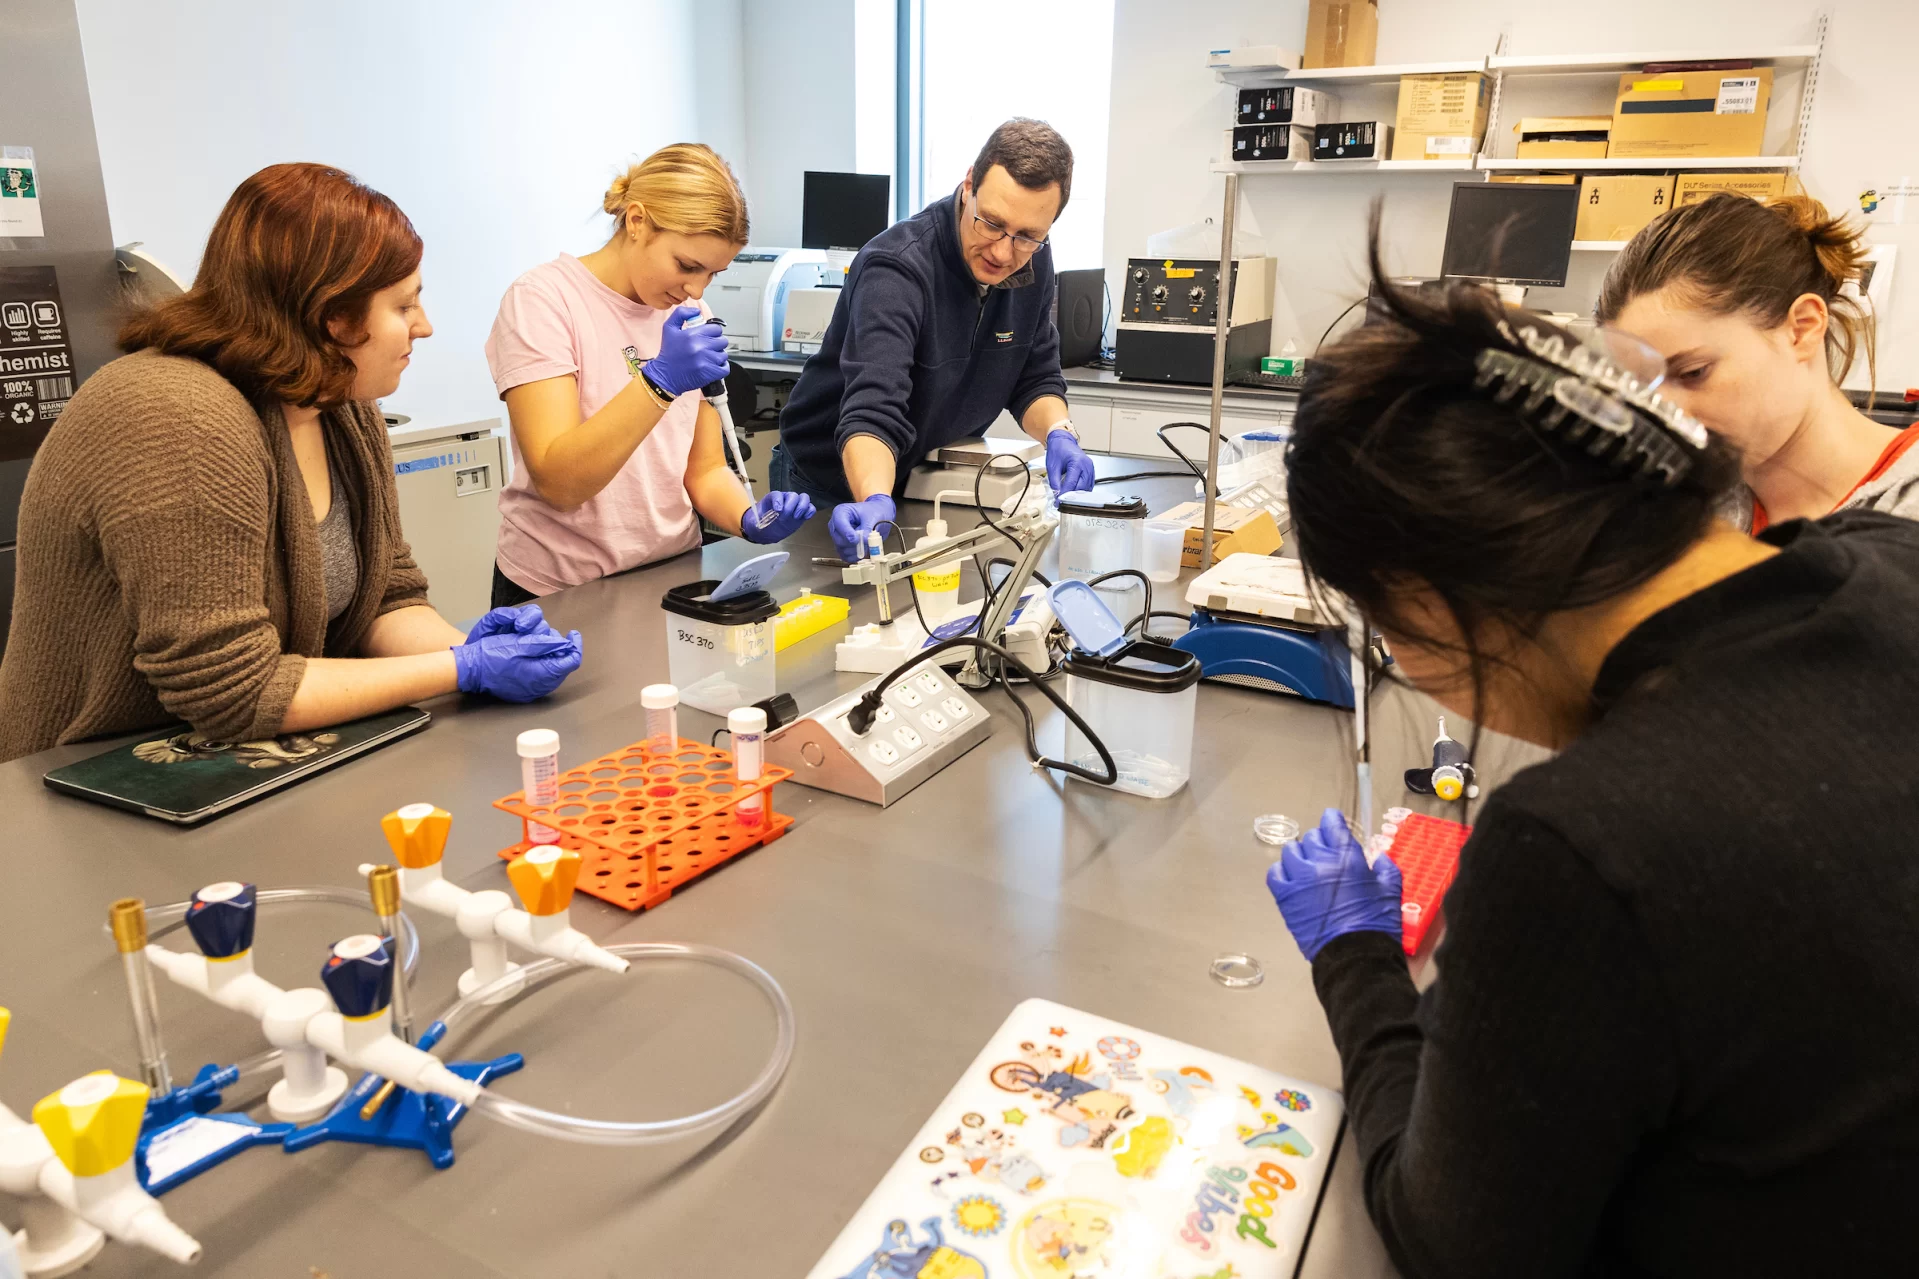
<point>1138,696</point>
<point>1101,535</point>
<point>720,653</point>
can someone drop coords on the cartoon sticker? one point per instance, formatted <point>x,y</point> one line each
<point>898,1257</point>
<point>979,1216</point>
<point>1066,1237</point>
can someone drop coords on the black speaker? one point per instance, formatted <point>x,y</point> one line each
<point>1080,312</point>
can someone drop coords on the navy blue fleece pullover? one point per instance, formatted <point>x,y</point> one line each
<point>916,356</point>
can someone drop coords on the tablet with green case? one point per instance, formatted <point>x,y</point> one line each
<point>181,776</point>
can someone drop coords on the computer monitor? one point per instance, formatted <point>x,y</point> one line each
<point>844,210</point>
<point>1511,232</point>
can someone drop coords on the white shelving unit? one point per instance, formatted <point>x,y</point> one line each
<point>1500,64</point>
<point>1270,77</point>
<point>1613,164</point>
<point>1464,164</point>
<point>1780,57</point>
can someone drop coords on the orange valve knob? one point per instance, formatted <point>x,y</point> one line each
<point>418,834</point>
<point>544,878</point>
<point>94,1122</point>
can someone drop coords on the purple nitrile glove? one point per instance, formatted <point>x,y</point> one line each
<point>523,619</point>
<point>690,357</point>
<point>515,667</point>
<point>775,517</point>
<point>1068,469</point>
<point>852,521</point>
<point>1324,888</point>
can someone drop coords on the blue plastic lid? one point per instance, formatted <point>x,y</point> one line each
<point>1086,618</point>
<point>750,576</point>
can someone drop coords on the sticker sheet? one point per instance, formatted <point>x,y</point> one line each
<point>1078,1148</point>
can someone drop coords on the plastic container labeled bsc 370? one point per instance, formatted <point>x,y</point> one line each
<point>1138,696</point>
<point>720,652</point>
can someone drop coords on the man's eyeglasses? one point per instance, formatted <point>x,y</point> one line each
<point>993,233</point>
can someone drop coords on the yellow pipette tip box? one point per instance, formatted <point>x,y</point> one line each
<point>807,615</point>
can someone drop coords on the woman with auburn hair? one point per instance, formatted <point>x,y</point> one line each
<point>1745,301</point>
<point>210,532</point>
<point>600,360</point>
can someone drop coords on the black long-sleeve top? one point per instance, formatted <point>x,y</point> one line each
<point>1676,1024</point>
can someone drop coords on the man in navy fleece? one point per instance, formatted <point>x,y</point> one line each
<point>945,320</point>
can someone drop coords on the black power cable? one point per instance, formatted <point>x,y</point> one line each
<point>860,718</point>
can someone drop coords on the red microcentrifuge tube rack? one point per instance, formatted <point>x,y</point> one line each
<point>1426,850</point>
<point>645,824</point>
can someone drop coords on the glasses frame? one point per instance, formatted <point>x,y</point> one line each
<point>1025,245</point>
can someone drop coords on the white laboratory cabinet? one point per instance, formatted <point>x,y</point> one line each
<point>449,479</point>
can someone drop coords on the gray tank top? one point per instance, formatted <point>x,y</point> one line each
<point>339,553</point>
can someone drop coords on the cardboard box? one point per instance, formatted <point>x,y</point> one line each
<point>1354,140</point>
<point>1341,33</point>
<point>1537,179</point>
<point>1681,113</point>
<point>1235,529</point>
<point>1694,187</point>
<point>1441,116</point>
<point>1435,146</point>
<point>1251,142</point>
<point>1252,55</point>
<point>1563,137</point>
<point>1617,206</point>
<point>1289,104</point>
<point>1452,103</point>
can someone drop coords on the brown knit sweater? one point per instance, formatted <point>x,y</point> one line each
<point>169,567</point>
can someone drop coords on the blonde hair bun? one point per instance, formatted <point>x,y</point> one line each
<point>685,188</point>
<point>1839,245</point>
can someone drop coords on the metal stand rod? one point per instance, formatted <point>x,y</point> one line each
<point>1222,326</point>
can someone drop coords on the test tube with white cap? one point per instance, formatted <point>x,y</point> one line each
<point>540,778</point>
<point>748,728</point>
<point>662,703</point>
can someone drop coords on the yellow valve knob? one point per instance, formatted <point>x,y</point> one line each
<point>93,1123</point>
<point>544,878</point>
<point>418,834</point>
<point>6,1019</point>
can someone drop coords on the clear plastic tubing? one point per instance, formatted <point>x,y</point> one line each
<point>747,725</point>
<point>607,1132</point>
<point>540,778</point>
<point>172,917</point>
<point>662,703</point>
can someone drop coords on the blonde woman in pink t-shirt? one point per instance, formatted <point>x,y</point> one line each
<point>600,360</point>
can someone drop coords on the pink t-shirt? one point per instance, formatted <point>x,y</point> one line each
<point>559,319</point>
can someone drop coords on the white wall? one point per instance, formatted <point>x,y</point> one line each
<point>496,125</point>
<point>1168,114</point>
<point>800,90</point>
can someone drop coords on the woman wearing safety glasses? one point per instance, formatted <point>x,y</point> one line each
<point>944,323</point>
<point>1676,1015</point>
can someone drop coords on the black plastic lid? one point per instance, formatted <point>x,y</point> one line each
<point>1108,508</point>
<point>691,600</point>
<point>1144,665</point>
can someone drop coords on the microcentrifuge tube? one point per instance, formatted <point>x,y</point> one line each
<point>662,703</point>
<point>540,778</point>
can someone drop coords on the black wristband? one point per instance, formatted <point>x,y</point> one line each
<point>660,393</point>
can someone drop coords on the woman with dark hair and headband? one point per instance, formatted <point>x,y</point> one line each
<point>1677,1008</point>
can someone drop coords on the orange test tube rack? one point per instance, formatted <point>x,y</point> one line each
<point>646,824</point>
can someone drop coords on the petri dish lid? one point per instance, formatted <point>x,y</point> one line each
<point>1237,971</point>
<point>1275,829</point>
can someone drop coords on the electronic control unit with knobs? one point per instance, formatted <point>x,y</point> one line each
<point>1169,312</point>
